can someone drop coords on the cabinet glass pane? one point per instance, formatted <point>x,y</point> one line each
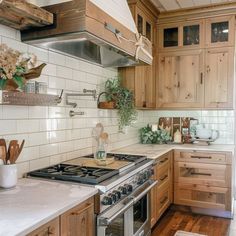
<point>219,32</point>
<point>171,37</point>
<point>191,35</point>
<point>148,31</point>
<point>140,24</point>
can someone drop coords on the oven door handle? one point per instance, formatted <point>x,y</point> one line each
<point>146,189</point>
<point>109,216</point>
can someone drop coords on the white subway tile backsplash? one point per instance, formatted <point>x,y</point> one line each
<point>15,112</point>
<point>8,127</point>
<point>16,45</point>
<point>64,72</point>
<point>56,58</point>
<point>42,54</point>
<point>41,138</point>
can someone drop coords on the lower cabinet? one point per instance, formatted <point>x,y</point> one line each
<point>79,220</point>
<point>51,228</point>
<point>162,194</point>
<point>203,180</point>
<point>76,221</point>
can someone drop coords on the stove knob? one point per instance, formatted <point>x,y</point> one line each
<point>141,178</point>
<point>117,193</point>
<point>123,190</point>
<point>113,197</point>
<point>129,188</point>
<point>107,201</point>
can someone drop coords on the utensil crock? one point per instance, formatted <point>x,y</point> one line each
<point>8,176</point>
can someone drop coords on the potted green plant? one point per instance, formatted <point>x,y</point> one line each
<point>123,100</point>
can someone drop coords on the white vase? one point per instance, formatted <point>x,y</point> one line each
<point>8,176</point>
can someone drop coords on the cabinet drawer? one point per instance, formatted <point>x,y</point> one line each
<point>163,199</point>
<point>163,175</point>
<point>164,161</point>
<point>202,196</point>
<point>204,174</point>
<point>203,157</point>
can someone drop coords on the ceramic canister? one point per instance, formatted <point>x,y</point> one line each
<point>8,176</point>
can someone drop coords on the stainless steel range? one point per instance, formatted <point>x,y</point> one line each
<point>123,202</point>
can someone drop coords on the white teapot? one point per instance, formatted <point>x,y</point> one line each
<point>204,133</point>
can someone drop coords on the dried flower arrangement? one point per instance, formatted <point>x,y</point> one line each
<point>16,68</point>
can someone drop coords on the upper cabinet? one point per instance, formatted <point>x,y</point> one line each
<point>220,31</point>
<point>180,83</point>
<point>219,80</point>
<point>141,80</point>
<point>144,24</point>
<point>181,36</point>
<point>196,57</point>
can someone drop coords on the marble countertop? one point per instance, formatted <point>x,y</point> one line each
<point>156,150</point>
<point>33,203</point>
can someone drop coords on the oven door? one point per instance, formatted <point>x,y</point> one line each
<point>130,217</point>
<point>116,220</point>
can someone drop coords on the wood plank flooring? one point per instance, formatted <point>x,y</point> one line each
<point>207,225</point>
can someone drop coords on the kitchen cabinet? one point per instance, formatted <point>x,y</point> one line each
<point>203,180</point>
<point>196,62</point>
<point>79,220</point>
<point>162,194</point>
<point>76,221</point>
<point>141,80</point>
<point>180,82</point>
<point>219,80</point>
<point>220,31</point>
<point>49,229</point>
<point>183,35</point>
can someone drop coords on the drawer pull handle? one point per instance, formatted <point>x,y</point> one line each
<point>205,174</point>
<point>164,160</point>
<point>164,200</point>
<point>199,157</point>
<point>163,178</point>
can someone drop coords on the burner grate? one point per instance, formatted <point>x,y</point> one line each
<point>88,175</point>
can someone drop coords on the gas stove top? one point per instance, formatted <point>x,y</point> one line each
<point>81,174</point>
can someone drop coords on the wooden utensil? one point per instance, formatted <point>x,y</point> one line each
<point>12,151</point>
<point>19,150</point>
<point>3,150</point>
<point>3,154</point>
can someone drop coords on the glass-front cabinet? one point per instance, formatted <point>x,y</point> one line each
<point>144,25</point>
<point>191,35</point>
<point>220,31</point>
<point>183,35</point>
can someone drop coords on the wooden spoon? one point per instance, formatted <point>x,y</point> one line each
<point>12,151</point>
<point>4,150</point>
<point>19,150</point>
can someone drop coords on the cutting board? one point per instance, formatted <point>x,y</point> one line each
<point>90,162</point>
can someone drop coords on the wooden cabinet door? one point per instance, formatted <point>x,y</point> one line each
<point>49,229</point>
<point>220,31</point>
<point>79,220</point>
<point>219,82</point>
<point>180,80</point>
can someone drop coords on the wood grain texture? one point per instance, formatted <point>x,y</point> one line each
<point>51,228</point>
<point>20,14</point>
<point>179,83</point>
<point>173,221</point>
<point>79,220</point>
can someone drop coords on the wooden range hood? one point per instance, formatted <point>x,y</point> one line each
<point>82,29</point>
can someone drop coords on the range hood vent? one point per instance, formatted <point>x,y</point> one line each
<point>83,30</point>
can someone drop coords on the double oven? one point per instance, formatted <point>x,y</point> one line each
<point>130,217</point>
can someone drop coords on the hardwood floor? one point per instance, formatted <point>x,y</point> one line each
<point>208,225</point>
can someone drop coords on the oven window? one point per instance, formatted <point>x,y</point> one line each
<point>116,228</point>
<point>140,213</point>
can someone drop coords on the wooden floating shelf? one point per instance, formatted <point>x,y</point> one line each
<point>28,99</point>
<point>22,15</point>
